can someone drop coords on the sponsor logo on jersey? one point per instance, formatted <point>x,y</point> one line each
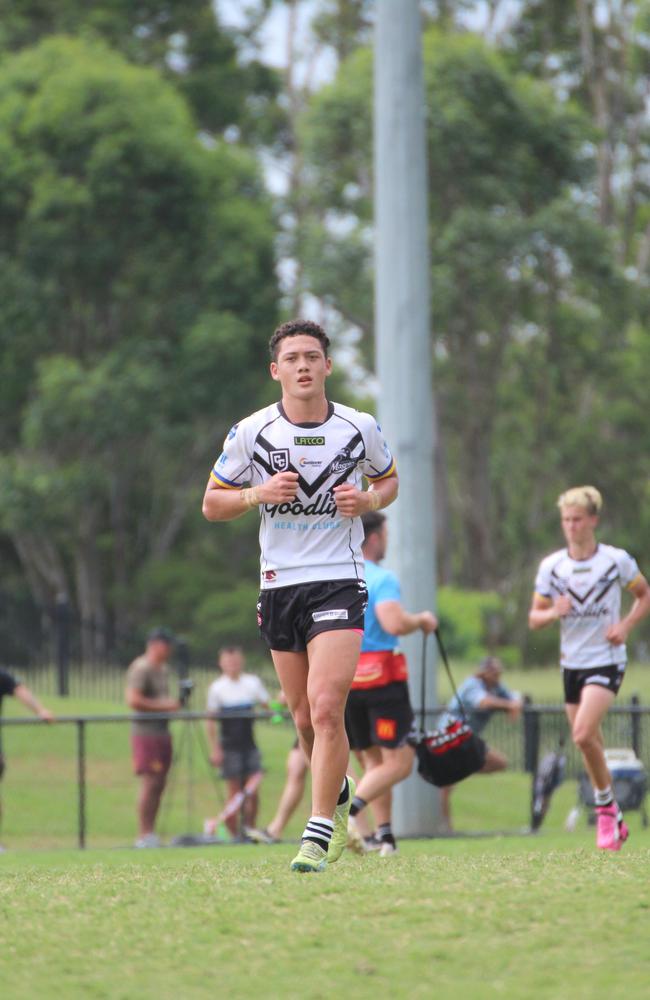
<point>342,462</point>
<point>334,614</point>
<point>223,458</point>
<point>309,461</point>
<point>301,440</point>
<point>270,575</point>
<point>323,503</point>
<point>231,433</point>
<point>279,459</point>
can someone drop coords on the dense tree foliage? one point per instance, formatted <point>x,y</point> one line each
<point>534,315</point>
<point>138,291</point>
<point>183,39</point>
<point>137,282</point>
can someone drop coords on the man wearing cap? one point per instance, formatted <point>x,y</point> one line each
<point>481,696</point>
<point>147,690</point>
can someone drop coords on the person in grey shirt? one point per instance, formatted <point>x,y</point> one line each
<point>481,695</point>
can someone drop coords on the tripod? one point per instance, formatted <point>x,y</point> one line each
<point>191,740</point>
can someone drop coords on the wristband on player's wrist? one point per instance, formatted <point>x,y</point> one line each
<point>375,500</point>
<point>251,497</point>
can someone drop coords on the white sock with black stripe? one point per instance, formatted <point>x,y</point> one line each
<point>320,830</point>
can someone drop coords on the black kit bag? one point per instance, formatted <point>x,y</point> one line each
<point>452,753</point>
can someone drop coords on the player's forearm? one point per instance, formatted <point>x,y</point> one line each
<point>382,493</point>
<point>226,505</point>
<point>639,610</point>
<point>541,617</point>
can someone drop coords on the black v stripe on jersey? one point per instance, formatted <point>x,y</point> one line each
<point>310,489</point>
<point>604,578</point>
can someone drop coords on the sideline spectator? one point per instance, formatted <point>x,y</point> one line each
<point>147,690</point>
<point>236,752</point>
<point>378,714</point>
<point>580,586</point>
<point>482,695</point>
<point>10,685</point>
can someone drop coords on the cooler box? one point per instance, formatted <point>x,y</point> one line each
<point>629,778</point>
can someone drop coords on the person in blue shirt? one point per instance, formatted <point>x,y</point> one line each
<point>378,714</point>
<point>481,695</point>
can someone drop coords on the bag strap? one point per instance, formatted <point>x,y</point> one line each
<point>445,660</point>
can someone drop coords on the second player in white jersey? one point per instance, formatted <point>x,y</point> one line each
<point>306,539</point>
<point>594,587</point>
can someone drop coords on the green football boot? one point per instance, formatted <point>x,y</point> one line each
<point>310,858</point>
<point>339,840</point>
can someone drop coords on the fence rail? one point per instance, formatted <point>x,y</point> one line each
<point>91,770</point>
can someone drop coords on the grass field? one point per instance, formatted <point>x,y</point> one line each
<point>516,917</point>
<point>476,916</point>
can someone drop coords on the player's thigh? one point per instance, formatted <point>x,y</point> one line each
<point>372,757</point>
<point>333,658</point>
<point>292,669</point>
<point>595,702</point>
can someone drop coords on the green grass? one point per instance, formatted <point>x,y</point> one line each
<point>511,916</point>
<point>521,917</point>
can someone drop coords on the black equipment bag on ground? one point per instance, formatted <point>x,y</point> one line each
<point>446,756</point>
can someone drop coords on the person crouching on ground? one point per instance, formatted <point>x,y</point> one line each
<point>481,696</point>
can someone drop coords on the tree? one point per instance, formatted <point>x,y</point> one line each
<point>138,290</point>
<point>181,38</point>
<point>528,302</point>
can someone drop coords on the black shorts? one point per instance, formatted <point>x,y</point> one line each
<point>241,763</point>
<point>379,717</point>
<point>288,617</point>
<point>610,677</point>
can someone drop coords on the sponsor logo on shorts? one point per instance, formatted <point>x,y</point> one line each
<point>314,441</point>
<point>599,679</point>
<point>334,614</point>
<point>280,459</point>
<point>270,575</point>
<point>386,729</point>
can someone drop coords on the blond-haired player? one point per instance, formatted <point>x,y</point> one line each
<point>580,586</point>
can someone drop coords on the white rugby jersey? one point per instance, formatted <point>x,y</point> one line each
<point>306,540</point>
<point>594,586</point>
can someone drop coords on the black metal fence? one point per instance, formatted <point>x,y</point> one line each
<point>74,776</point>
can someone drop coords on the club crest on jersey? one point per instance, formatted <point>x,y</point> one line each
<point>279,459</point>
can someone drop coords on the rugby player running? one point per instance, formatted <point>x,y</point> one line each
<point>300,464</point>
<point>580,586</point>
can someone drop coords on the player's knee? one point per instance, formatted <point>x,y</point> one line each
<point>326,712</point>
<point>583,738</point>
